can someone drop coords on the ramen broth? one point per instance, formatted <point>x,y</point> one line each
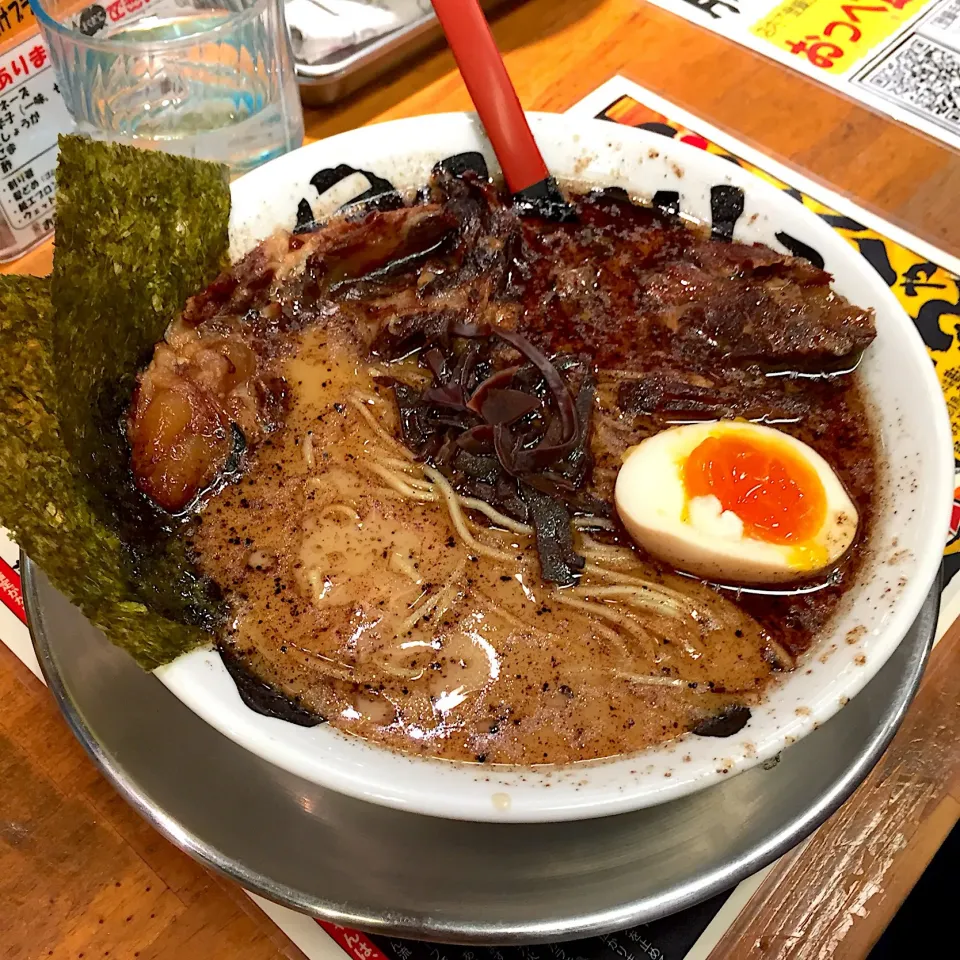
<point>373,609</point>
<point>366,580</point>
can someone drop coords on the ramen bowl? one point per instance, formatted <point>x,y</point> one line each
<point>907,536</point>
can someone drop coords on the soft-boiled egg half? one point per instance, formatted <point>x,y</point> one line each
<point>736,502</point>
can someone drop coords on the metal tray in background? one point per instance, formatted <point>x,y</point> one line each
<point>345,71</point>
<point>385,871</point>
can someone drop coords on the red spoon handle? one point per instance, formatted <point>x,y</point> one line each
<point>481,66</point>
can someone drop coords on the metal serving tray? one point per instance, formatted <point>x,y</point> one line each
<point>385,871</point>
<point>347,70</point>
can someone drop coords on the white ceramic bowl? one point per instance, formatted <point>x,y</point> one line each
<point>909,537</point>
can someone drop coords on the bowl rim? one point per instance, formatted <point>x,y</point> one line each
<point>186,675</point>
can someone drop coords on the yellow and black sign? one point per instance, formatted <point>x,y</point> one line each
<point>834,34</point>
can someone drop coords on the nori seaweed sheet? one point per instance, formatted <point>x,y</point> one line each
<point>39,498</point>
<point>138,232</point>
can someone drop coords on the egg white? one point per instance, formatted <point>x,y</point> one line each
<point>697,537</point>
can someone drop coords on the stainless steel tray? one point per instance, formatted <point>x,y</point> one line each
<point>390,872</point>
<point>347,70</point>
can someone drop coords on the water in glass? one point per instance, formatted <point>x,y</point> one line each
<point>208,81</point>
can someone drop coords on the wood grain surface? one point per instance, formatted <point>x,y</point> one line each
<point>82,877</point>
<point>836,895</point>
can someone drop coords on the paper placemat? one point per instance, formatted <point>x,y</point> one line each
<point>924,280</point>
<point>901,58</point>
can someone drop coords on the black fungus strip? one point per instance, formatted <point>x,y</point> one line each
<point>576,466</point>
<point>433,358</point>
<point>507,406</point>
<point>519,443</point>
<point>477,440</point>
<point>559,562</point>
<point>550,374</point>
<point>446,395</point>
<point>502,378</point>
<point>413,425</point>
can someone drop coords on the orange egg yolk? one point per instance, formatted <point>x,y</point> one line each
<point>775,492</point>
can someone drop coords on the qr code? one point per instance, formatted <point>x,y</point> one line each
<point>920,75</point>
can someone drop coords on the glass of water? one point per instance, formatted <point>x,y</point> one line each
<point>203,78</point>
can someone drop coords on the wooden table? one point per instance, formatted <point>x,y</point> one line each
<point>81,876</point>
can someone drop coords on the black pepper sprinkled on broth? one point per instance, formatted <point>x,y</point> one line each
<point>417,537</point>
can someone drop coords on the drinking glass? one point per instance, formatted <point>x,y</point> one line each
<point>205,78</point>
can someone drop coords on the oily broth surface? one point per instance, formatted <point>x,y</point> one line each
<point>368,607</point>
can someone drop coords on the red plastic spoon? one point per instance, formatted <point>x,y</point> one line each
<point>495,98</point>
